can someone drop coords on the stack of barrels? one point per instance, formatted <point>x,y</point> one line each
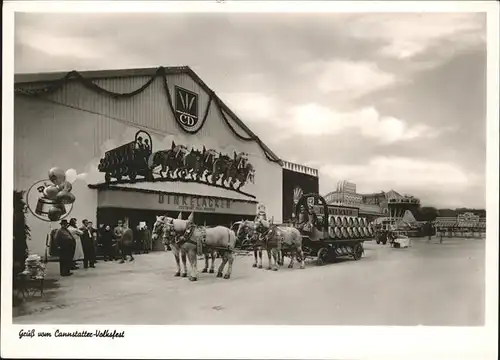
<point>349,227</point>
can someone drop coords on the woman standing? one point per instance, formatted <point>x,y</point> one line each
<point>77,233</point>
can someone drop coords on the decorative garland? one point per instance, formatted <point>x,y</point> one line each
<point>75,75</point>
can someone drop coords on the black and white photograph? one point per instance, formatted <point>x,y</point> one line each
<point>261,164</point>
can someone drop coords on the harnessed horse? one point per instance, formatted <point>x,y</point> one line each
<point>247,231</point>
<point>193,240</point>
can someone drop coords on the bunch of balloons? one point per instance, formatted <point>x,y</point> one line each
<point>60,191</point>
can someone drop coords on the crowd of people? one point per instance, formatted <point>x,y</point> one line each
<point>73,244</point>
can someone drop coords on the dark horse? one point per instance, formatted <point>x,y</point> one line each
<point>171,161</point>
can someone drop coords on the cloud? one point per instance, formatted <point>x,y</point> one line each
<point>253,106</point>
<point>410,34</point>
<point>314,119</point>
<point>350,78</point>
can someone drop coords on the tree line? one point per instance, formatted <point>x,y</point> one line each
<point>429,213</point>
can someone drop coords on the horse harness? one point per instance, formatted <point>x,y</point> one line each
<point>200,242</point>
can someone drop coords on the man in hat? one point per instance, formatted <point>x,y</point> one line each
<point>88,245</point>
<point>66,245</point>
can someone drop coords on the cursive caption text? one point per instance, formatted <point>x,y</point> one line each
<point>72,334</point>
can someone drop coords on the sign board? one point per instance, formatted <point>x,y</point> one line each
<point>174,202</point>
<point>468,217</point>
<point>337,210</point>
<point>186,108</point>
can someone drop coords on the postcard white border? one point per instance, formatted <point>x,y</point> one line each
<point>259,341</point>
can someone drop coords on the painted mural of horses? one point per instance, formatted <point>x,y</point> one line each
<point>209,157</point>
<point>193,163</point>
<point>281,239</point>
<point>241,175</point>
<point>171,161</point>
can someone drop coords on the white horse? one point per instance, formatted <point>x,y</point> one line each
<point>285,239</point>
<point>194,240</point>
<point>171,239</point>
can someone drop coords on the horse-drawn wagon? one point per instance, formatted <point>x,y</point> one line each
<point>128,160</point>
<point>327,236</point>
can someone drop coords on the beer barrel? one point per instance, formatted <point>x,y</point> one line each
<point>366,232</point>
<point>370,230</point>
<point>338,233</point>
<point>338,220</point>
<point>331,220</point>
<point>361,232</point>
<point>365,222</point>
<point>345,235</point>
<point>349,221</point>
<point>331,232</point>
<point>356,221</point>
<point>355,232</point>
<point>344,220</point>
<point>350,233</point>
<point>44,205</point>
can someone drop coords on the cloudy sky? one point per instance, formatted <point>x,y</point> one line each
<point>389,101</point>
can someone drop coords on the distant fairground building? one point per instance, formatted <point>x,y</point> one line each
<point>373,205</point>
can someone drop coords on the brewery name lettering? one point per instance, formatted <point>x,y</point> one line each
<point>197,203</point>
<point>337,211</point>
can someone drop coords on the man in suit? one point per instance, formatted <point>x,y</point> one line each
<point>94,234</point>
<point>66,245</point>
<point>88,245</point>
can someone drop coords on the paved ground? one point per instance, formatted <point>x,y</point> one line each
<point>428,284</point>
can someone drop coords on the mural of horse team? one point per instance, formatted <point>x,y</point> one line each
<point>178,163</point>
<point>188,241</point>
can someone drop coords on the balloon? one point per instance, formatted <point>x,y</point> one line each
<point>51,192</point>
<point>66,186</point>
<point>56,175</point>
<point>71,175</point>
<point>54,213</point>
<point>61,207</point>
<point>65,197</point>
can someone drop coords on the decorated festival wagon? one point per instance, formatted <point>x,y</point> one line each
<point>328,237</point>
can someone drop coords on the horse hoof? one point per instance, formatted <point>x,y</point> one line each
<point>211,271</point>
<point>219,275</point>
<point>184,275</point>
<point>192,278</point>
<point>290,266</point>
<point>302,267</point>
<point>227,276</point>
<point>269,268</point>
<point>177,274</point>
<point>204,270</point>
<point>254,265</point>
<point>260,266</point>
<point>275,269</point>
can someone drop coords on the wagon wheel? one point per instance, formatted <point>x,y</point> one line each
<point>322,256</point>
<point>358,252</point>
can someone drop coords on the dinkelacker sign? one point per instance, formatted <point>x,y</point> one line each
<point>119,198</point>
<point>196,203</point>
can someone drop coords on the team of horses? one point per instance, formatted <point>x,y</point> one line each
<point>188,241</point>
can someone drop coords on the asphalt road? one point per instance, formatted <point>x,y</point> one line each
<point>427,284</point>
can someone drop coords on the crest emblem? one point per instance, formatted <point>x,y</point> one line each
<point>310,201</point>
<point>186,108</point>
<point>297,194</point>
